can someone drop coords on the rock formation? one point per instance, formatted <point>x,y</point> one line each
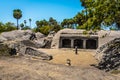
<point>109,55</point>
<point>4,50</point>
<point>24,42</point>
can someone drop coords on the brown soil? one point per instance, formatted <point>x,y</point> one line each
<point>29,68</point>
<point>84,58</point>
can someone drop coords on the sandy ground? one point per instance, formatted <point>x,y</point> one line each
<point>29,68</point>
<point>84,58</point>
<point>24,68</point>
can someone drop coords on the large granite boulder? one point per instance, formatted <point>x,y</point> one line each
<point>26,37</point>
<point>108,55</point>
<point>23,42</point>
<point>19,35</point>
<point>39,35</point>
<point>13,48</point>
<point>16,35</point>
<point>34,52</point>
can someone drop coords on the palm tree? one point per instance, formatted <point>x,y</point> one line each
<point>22,25</point>
<point>25,22</point>
<point>17,14</point>
<point>30,21</point>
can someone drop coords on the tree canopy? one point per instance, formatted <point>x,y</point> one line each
<point>7,27</point>
<point>106,12</point>
<point>17,14</point>
<point>45,26</point>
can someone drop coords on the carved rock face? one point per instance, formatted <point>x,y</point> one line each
<point>109,55</point>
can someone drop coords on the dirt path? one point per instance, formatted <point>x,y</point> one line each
<point>84,58</point>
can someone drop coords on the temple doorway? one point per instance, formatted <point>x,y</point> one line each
<point>78,43</point>
<point>66,43</point>
<point>91,44</point>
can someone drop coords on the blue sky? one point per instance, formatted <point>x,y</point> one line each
<point>39,9</point>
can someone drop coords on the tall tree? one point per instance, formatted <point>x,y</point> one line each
<point>68,23</point>
<point>80,18</point>
<point>17,14</point>
<point>52,21</point>
<point>45,26</point>
<point>25,22</point>
<point>22,25</point>
<point>54,24</point>
<point>30,21</point>
<point>105,12</point>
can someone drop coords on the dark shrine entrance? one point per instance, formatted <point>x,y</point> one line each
<point>91,44</point>
<point>78,43</point>
<point>66,43</point>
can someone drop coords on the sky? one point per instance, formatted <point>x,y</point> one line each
<point>39,10</point>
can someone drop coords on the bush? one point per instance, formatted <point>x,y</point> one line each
<point>85,32</point>
<point>4,50</point>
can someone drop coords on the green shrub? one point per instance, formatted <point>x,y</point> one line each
<point>4,50</point>
<point>85,32</point>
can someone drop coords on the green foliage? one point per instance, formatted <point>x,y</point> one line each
<point>68,23</point>
<point>26,28</point>
<point>85,32</point>
<point>45,26</point>
<point>45,30</point>
<point>79,18</point>
<point>22,25</point>
<point>41,23</point>
<point>17,14</point>
<point>99,11</point>
<point>7,27</point>
<point>113,28</point>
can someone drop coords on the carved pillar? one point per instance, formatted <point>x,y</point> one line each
<point>96,43</point>
<point>72,43</point>
<point>60,43</point>
<point>84,43</point>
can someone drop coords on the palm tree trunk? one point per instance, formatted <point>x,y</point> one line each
<point>17,25</point>
<point>30,23</point>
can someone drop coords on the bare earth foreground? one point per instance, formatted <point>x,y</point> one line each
<point>84,58</point>
<point>29,68</point>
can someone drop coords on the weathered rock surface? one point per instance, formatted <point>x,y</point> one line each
<point>103,36</point>
<point>15,35</point>
<point>24,42</point>
<point>4,50</point>
<point>109,55</point>
<point>56,38</point>
<point>33,69</point>
<point>35,52</point>
<point>28,38</point>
